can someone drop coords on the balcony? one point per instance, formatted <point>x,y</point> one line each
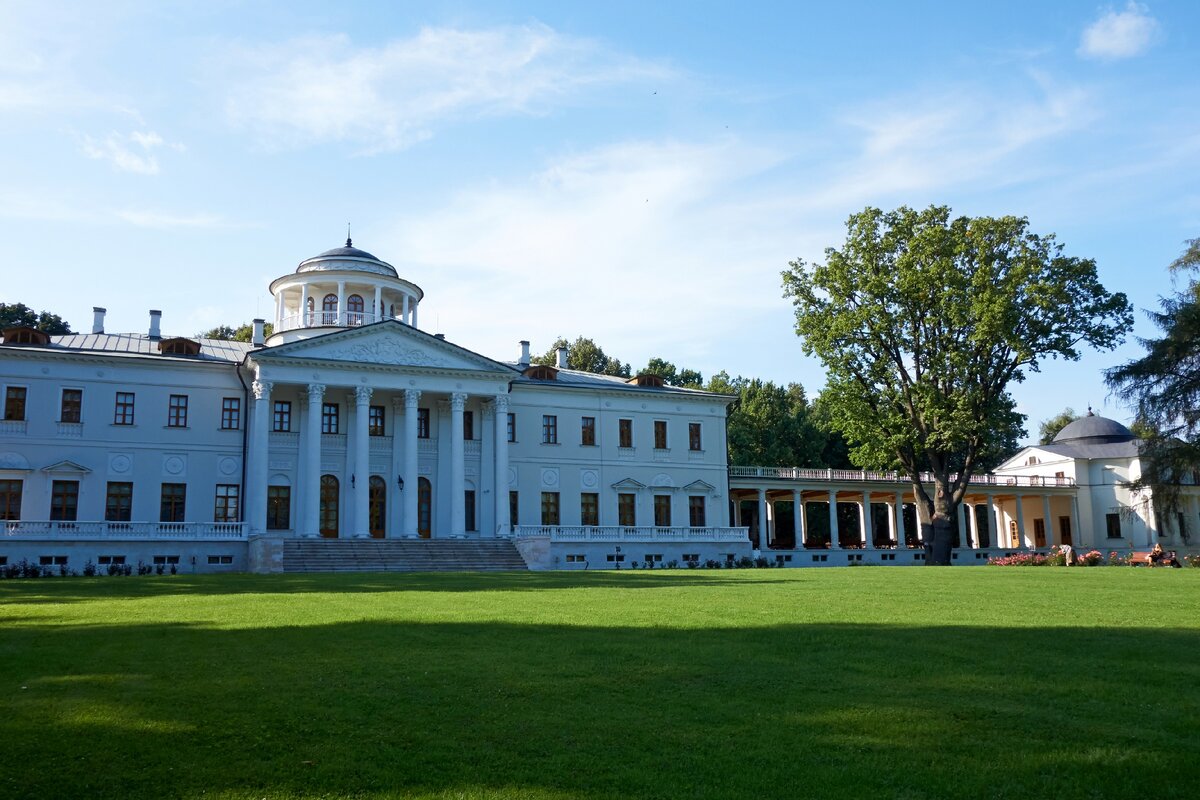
<point>626,533</point>
<point>863,476</point>
<point>42,529</point>
<point>331,319</point>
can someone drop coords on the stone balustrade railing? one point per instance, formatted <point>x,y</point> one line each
<point>54,529</point>
<point>629,533</point>
<point>808,474</point>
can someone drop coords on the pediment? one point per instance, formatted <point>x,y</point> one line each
<point>629,483</point>
<point>699,486</point>
<point>387,343</point>
<point>67,467</point>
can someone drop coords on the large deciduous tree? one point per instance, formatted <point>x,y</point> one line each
<point>1164,388</point>
<point>585,355</point>
<point>922,321</point>
<point>13,315</point>
<point>1049,428</point>
<point>242,333</point>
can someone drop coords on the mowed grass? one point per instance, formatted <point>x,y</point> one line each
<point>867,682</point>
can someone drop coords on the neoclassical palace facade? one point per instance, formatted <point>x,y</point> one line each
<point>350,422</point>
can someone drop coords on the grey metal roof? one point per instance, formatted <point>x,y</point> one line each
<point>1093,449</point>
<point>572,377</point>
<point>345,252</point>
<point>1095,429</point>
<point>142,345</point>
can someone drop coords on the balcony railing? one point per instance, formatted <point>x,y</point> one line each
<point>326,319</point>
<point>628,533</point>
<point>861,476</point>
<point>44,529</point>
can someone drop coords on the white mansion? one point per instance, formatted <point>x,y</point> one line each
<point>349,423</point>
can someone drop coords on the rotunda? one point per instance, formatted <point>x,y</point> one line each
<point>1093,429</point>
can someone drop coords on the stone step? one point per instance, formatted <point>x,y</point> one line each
<point>400,555</point>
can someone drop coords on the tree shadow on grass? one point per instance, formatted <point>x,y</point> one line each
<point>377,709</point>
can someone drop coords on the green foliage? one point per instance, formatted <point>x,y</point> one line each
<point>242,333</point>
<point>688,378</point>
<point>19,315</point>
<point>1049,428</point>
<point>584,355</point>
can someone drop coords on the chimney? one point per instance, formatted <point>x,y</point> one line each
<point>562,357</point>
<point>524,362</point>
<point>257,338</point>
<point>155,324</point>
<point>98,319</point>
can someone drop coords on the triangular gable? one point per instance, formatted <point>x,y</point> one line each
<point>1020,460</point>
<point>628,483</point>
<point>699,486</point>
<point>389,343</point>
<point>67,466</point>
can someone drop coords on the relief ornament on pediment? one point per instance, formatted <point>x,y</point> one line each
<point>388,351</point>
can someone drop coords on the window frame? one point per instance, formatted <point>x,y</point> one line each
<point>176,502</point>
<point>625,433</point>
<point>279,508</point>
<point>227,506</point>
<point>627,509</point>
<point>695,437</point>
<point>662,510</point>
<point>468,426</point>
<point>376,421</point>
<point>281,416</point>
<point>551,509</point>
<point>589,509</point>
<point>514,507</point>
<point>660,434</point>
<point>64,500</point>
<point>331,421</point>
<point>177,411</point>
<point>12,491</point>
<point>549,429</point>
<point>512,426</point>
<point>124,408</point>
<point>697,507</point>
<point>231,413</point>
<point>16,403</point>
<point>423,426</point>
<point>74,406</point>
<point>470,518</point>
<point>118,501</point>
<point>587,431</point>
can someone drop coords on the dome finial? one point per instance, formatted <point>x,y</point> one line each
<point>348,242</point>
<point>1090,413</point>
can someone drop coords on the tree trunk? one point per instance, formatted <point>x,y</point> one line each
<point>944,510</point>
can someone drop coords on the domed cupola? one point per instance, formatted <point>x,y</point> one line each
<point>341,288</point>
<point>1094,430</point>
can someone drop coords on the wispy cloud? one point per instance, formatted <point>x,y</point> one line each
<point>156,219</point>
<point>133,152</point>
<point>385,98</point>
<point>1119,34</point>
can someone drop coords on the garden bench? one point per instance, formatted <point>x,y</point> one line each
<point>1140,558</point>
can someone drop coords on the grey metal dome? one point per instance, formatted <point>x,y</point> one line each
<point>1094,429</point>
<point>347,257</point>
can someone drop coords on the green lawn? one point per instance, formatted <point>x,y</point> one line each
<point>866,682</point>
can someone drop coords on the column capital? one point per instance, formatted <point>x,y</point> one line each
<point>501,403</point>
<point>362,395</point>
<point>398,403</point>
<point>457,401</point>
<point>262,389</point>
<point>316,392</point>
<point>411,398</point>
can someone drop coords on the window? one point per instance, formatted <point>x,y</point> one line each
<point>105,561</point>
<point>576,558</point>
<point>625,433</point>
<point>123,411</point>
<point>589,508</point>
<point>691,556</point>
<point>220,559</point>
<point>422,423</point>
<point>177,411</point>
<point>469,517</point>
<point>10,499</point>
<point>375,421</point>
<point>550,508</point>
<point>468,425</point>
<point>627,509</point>
<point>279,508</point>
<point>164,560</point>
<point>71,409</point>
<point>549,429</point>
<point>354,305</point>
<point>616,557</point>
<point>14,402</point>
<point>512,427</point>
<point>118,502</point>
<point>662,510</point>
<point>281,420</point>
<point>52,561</point>
<point>329,310</point>
<point>660,434</point>
<point>1113,522</point>
<point>231,413</point>
<point>696,516</point>
<point>653,558</point>
<point>173,499</point>
<point>329,418</point>
<point>64,500</point>
<point>694,441</point>
<point>226,506</point>
<point>514,505</point>
<point>587,431</point>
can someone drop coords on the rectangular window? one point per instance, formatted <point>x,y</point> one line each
<point>177,411</point>
<point>550,508</point>
<point>694,440</point>
<point>660,434</point>
<point>52,561</point>
<point>375,421</point>
<point>220,559</point>
<point>123,410</point>
<point>576,558</point>
<point>625,433</point>
<point>1113,522</point>
<point>105,561</point>
<point>512,427</point>
<point>279,508</point>
<point>226,507</point>
<point>281,419</point>
<point>627,510</point>
<point>469,518</point>
<point>165,560</point>
<point>14,402</point>
<point>587,432</point>
<point>71,409</point>
<point>64,501</point>
<point>118,502</point>
<point>662,510</point>
<point>549,429</point>
<point>589,508</point>
<point>422,423</point>
<point>468,425</point>
<point>514,506</point>
<point>653,558</point>
<point>231,413</point>
<point>329,418</point>
<point>10,498</point>
<point>696,514</point>
<point>172,502</point>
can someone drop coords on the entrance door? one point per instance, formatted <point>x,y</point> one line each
<point>424,507</point>
<point>1064,529</point>
<point>377,501</point>
<point>329,507</point>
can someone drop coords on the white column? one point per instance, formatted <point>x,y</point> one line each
<point>991,521</point>
<point>395,493</point>
<point>256,488</point>
<point>763,530</point>
<point>404,310</point>
<point>414,313</point>
<point>1076,534</point>
<point>341,309</point>
<point>362,462</point>
<point>1022,542</point>
<point>900,543</point>
<point>1046,516</point>
<point>834,543</point>
<point>304,320</point>
<point>412,399</point>
<point>737,512</point>
<point>865,523</point>
<point>501,483</point>
<point>973,525</point>
<point>278,307</point>
<point>310,514</point>
<point>377,313</point>
<point>457,466</point>
<point>800,520</point>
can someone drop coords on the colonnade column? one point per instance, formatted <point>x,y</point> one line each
<point>901,543</point>
<point>799,520</point>
<point>991,520</point>
<point>973,525</point>
<point>1046,525</point>
<point>396,500</point>
<point>764,532</point>
<point>834,535</point>
<point>404,309</point>
<point>413,311</point>
<point>1020,523</point>
<point>342,319</point>
<point>501,482</point>
<point>304,318</point>
<point>377,314</point>
<point>458,509</point>
<point>311,515</point>
<point>962,524</point>
<point>256,490</point>
<point>866,523</point>
<point>362,462</point>
<point>412,397</point>
<point>1076,534</point>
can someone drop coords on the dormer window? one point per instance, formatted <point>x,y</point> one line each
<point>540,372</point>
<point>179,347</point>
<point>23,335</point>
<point>652,381</point>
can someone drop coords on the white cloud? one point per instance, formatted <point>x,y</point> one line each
<point>155,219</point>
<point>389,97</point>
<point>1119,34</point>
<point>133,152</point>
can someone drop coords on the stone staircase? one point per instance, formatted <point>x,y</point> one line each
<point>401,555</point>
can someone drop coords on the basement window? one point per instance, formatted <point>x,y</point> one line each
<point>220,559</point>
<point>105,560</point>
<point>55,561</point>
<point>166,560</point>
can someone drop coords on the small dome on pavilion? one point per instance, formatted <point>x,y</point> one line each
<point>1095,430</point>
<point>347,257</point>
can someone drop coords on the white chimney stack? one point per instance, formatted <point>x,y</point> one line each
<point>155,324</point>
<point>562,357</point>
<point>524,362</point>
<point>98,319</point>
<point>257,339</point>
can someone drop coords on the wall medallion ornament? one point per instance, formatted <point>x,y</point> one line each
<point>174,465</point>
<point>120,463</point>
<point>550,478</point>
<point>229,466</point>
<point>588,478</point>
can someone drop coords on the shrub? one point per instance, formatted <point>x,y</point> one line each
<point>1019,560</point>
<point>1115,559</point>
<point>1192,560</point>
<point>89,569</point>
<point>1092,558</point>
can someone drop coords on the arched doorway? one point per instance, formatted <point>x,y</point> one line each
<point>329,310</point>
<point>424,507</point>
<point>377,502</point>
<point>329,507</point>
<point>354,305</point>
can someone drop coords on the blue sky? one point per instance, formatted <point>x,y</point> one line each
<point>637,173</point>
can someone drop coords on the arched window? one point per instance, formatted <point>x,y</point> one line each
<point>354,304</point>
<point>377,501</point>
<point>329,506</point>
<point>310,319</point>
<point>329,310</point>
